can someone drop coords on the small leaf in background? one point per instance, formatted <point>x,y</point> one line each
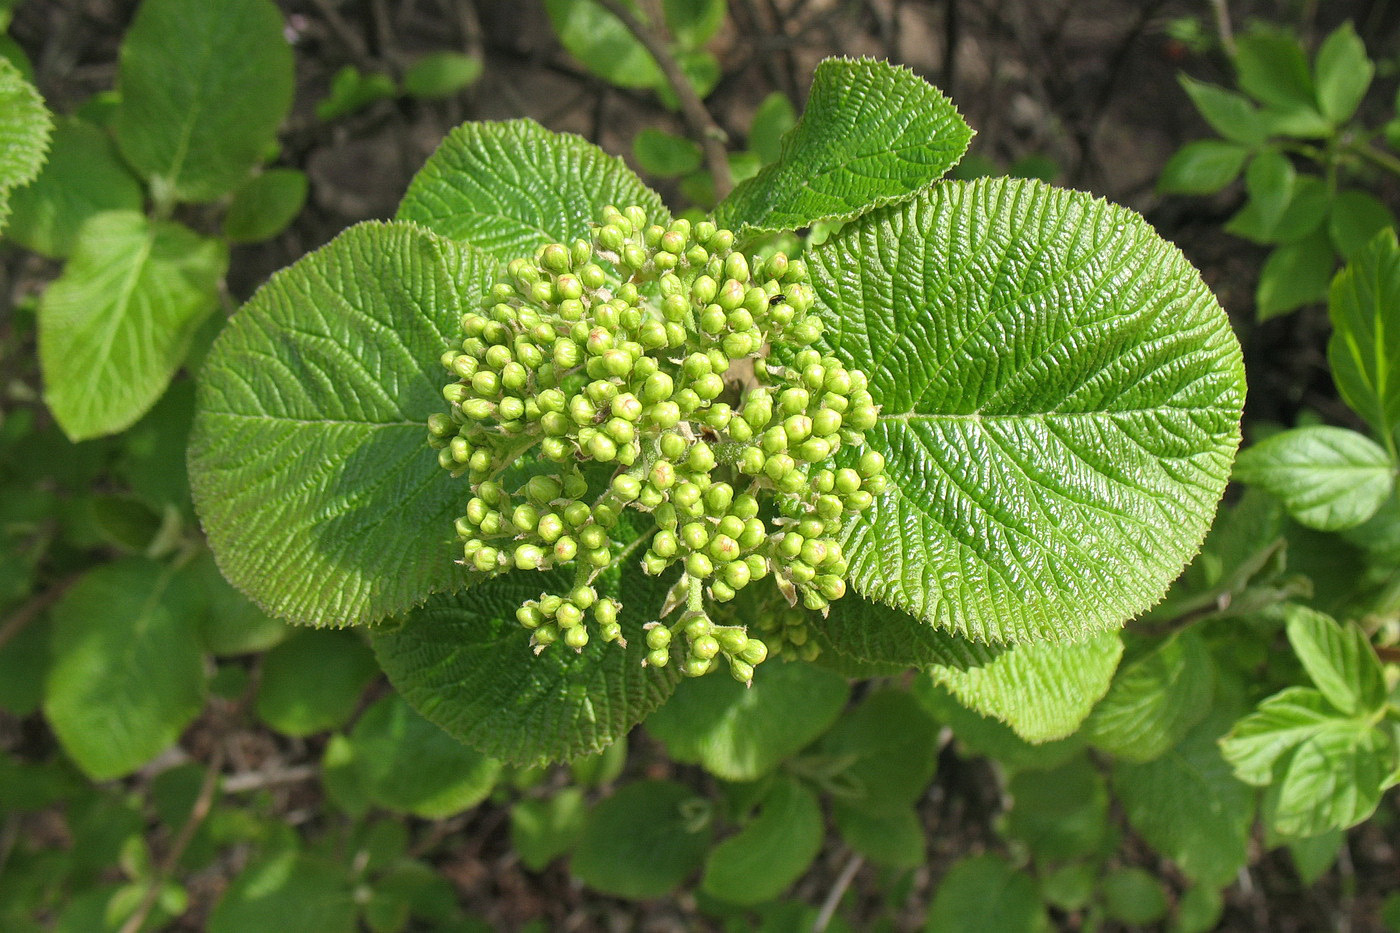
<point>663,154</point>
<point>1046,415</point>
<point>1343,73</point>
<point>1364,350</point>
<point>1328,478</point>
<point>128,671</point>
<point>1202,167</point>
<point>509,188</point>
<point>1313,856</point>
<point>1229,114</point>
<point>872,134</point>
<point>265,205</point>
<point>1334,778</point>
<point>543,830</point>
<point>312,681</point>
<point>114,327</point>
<point>1155,699</point>
<point>1198,910</point>
<point>83,176</point>
<point>1270,181</point>
<point>1061,814</point>
<point>232,625</point>
<point>125,522</point>
<point>1339,660</point>
<point>606,47</point>
<point>889,839</point>
<point>600,768</point>
<point>319,495</point>
<point>409,765</point>
<point>287,891</point>
<point>643,841</point>
<point>1355,219</point>
<point>1278,724</point>
<point>891,744</point>
<point>1273,70</point>
<point>769,853</point>
<point>771,122</point>
<point>440,74</point>
<point>152,458</point>
<point>1133,896</point>
<point>351,91</point>
<point>741,733</point>
<point>985,892</point>
<point>1294,275</point>
<point>195,137</point>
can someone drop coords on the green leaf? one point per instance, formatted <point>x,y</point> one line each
<point>760,861</point>
<point>232,625</point>
<point>409,765</point>
<point>982,735</point>
<point>351,91</point>
<point>889,743</point>
<point>1133,896</point>
<point>1229,114</point>
<point>25,127</point>
<point>741,733</point>
<point>1343,74</point>
<point>1270,181</point>
<point>986,892</point>
<point>203,89</point>
<point>1328,478</point>
<point>465,663</point>
<point>1355,219</point>
<point>1061,398</point>
<point>1273,70</point>
<point>1314,856</point>
<point>694,22</point>
<point>312,681</point>
<point>83,176</point>
<point>543,830</point>
<point>152,460</point>
<point>441,74</point>
<point>1062,814</point>
<point>1202,167</point>
<point>642,841</point>
<point>1198,910</point>
<point>1188,805</point>
<point>1155,699</point>
<point>1364,350</point>
<point>1334,778</point>
<point>128,672</point>
<point>1294,275</point>
<point>1269,733</point>
<point>663,154</point>
<point>1339,660</point>
<point>308,460</point>
<point>1043,691</point>
<point>895,840</point>
<point>287,891</point>
<point>265,205</point>
<point>872,134</point>
<point>771,122</point>
<point>603,43</point>
<point>509,188</point>
<point>115,326</point>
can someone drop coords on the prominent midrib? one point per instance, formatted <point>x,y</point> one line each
<point>977,416</point>
<point>287,419</point>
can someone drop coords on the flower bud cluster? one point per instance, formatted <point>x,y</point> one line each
<point>613,362</point>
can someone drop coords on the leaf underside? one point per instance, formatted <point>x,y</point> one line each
<point>1061,400</point>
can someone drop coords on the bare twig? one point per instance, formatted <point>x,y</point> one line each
<point>1221,8</point>
<point>202,805</point>
<point>32,609</point>
<point>698,120</point>
<point>354,43</point>
<point>257,780</point>
<point>838,891</point>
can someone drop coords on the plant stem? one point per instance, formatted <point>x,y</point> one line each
<point>701,125</point>
<point>1378,157</point>
<point>838,891</point>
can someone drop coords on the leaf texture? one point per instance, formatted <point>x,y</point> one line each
<point>1061,398</point>
<point>1328,478</point>
<point>308,459</point>
<point>509,188</point>
<point>25,127</point>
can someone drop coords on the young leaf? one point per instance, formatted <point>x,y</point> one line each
<point>760,861</point>
<point>1343,74</point>
<point>265,205</point>
<point>1202,167</point>
<point>663,154</point>
<point>741,733</point>
<point>508,188</point>
<point>895,840</point>
<point>1328,478</point>
<point>409,765</point>
<point>115,326</point>
<point>1295,274</point>
<point>203,89</point>
<point>641,842</point>
<point>352,90</point>
<point>1334,778</point>
<point>464,662</point>
<point>441,74</point>
<point>872,134</point>
<point>287,891</point>
<point>1154,700</point>
<point>25,128</point>
<point>1133,896</point>
<point>1354,220</point>
<point>128,672</point>
<point>1339,660</point>
<point>312,681</point>
<point>83,176</point>
<point>1229,114</point>
<point>986,892</point>
<point>543,830</point>
<point>1270,181</point>
<point>1061,398</point>
<point>890,743</point>
<point>1188,805</point>
<point>771,122</point>
<point>1365,349</point>
<point>307,459</point>
<point>1273,70</point>
<point>231,624</point>
<point>1279,724</point>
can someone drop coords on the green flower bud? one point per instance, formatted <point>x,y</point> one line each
<point>737,267</point>
<point>545,636</point>
<point>659,658</point>
<point>698,565</point>
<point>569,616</point>
<point>662,475</point>
<point>665,544</point>
<point>606,610</point>
<point>611,238</point>
<point>752,461</point>
<point>658,637</point>
<point>696,667</point>
<point>576,638</point>
<point>565,549</point>
<point>741,671</point>
<point>529,616</point>
<point>592,276</point>
<point>871,463</point>
<point>779,466</point>
<point>664,414</point>
<point>528,557</point>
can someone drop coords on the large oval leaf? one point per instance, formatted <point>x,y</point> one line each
<point>308,459</point>
<point>1061,399</point>
<point>508,188</point>
<point>465,663</point>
